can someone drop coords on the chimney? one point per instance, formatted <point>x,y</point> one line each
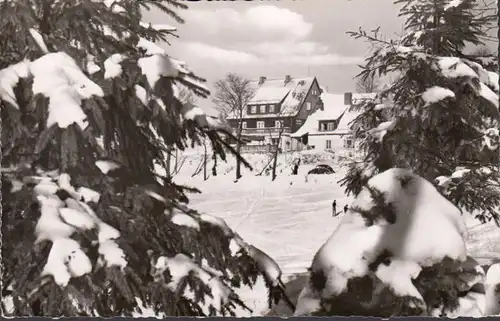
<point>287,79</point>
<point>348,99</point>
<point>262,79</point>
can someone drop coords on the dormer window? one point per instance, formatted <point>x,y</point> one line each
<point>271,109</point>
<point>308,105</point>
<point>254,109</point>
<point>262,109</point>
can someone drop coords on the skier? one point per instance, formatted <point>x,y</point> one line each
<point>345,209</point>
<point>334,207</point>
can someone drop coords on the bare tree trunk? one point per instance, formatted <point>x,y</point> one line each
<point>169,159</point>
<point>205,161</point>
<point>176,160</point>
<point>238,147</point>
<point>275,162</point>
<point>214,168</point>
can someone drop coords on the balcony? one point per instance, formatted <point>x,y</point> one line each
<point>266,131</point>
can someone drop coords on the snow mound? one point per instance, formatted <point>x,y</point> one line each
<point>397,226</point>
<point>492,283</point>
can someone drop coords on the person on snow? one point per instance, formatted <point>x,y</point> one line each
<point>296,165</point>
<point>334,208</point>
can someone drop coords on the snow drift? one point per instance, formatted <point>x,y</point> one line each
<point>400,242</point>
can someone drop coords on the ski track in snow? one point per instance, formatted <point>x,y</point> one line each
<point>288,222</point>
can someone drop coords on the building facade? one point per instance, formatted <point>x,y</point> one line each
<point>278,105</point>
<point>329,128</point>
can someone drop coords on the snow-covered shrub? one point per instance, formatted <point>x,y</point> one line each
<point>399,250</point>
<point>313,157</point>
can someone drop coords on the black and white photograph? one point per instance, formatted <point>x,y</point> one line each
<point>168,158</point>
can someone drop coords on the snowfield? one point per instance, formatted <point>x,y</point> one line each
<point>291,218</point>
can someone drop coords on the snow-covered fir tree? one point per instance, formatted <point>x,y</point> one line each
<point>431,144</point>
<point>90,226</point>
<point>440,117</point>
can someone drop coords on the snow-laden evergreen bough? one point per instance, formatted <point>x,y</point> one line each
<point>440,116</point>
<point>89,111</point>
<point>399,251</point>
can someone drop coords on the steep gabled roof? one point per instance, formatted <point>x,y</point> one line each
<point>333,109</point>
<point>274,91</point>
<point>344,126</point>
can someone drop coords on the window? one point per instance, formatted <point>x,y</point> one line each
<point>262,109</point>
<point>328,144</point>
<point>277,123</point>
<point>260,124</point>
<point>308,105</point>
<point>244,125</point>
<point>330,126</point>
<point>254,109</point>
<point>274,141</point>
<point>299,121</point>
<point>271,108</point>
<point>348,143</point>
<point>323,127</point>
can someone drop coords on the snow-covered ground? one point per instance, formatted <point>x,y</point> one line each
<point>291,217</point>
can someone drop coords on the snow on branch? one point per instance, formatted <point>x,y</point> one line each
<point>381,130</point>
<point>180,266</point>
<point>39,40</point>
<point>435,94</point>
<point>453,4</point>
<point>92,67</point>
<point>113,5</point>
<point>57,77</point>
<point>150,47</point>
<point>488,94</point>
<point>9,77</point>
<point>61,217</point>
<point>112,66</point>
<point>453,67</point>
<point>158,27</point>
<point>158,64</point>
<point>182,219</point>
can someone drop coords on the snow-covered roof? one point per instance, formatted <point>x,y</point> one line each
<point>333,109</point>
<point>333,106</point>
<point>274,91</point>
<point>270,95</point>
<point>344,126</point>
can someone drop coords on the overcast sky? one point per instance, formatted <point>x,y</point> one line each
<point>276,38</point>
